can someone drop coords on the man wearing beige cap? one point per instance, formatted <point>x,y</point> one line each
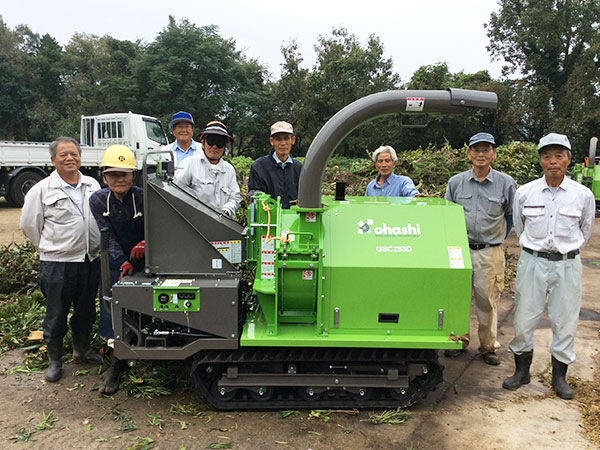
<point>277,174</point>
<point>553,218</point>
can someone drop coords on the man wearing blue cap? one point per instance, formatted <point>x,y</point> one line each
<point>182,127</point>
<point>486,196</point>
<point>554,216</point>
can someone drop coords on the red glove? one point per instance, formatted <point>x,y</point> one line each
<point>138,251</point>
<point>126,269</point>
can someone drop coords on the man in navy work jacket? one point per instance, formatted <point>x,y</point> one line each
<point>277,173</point>
<point>553,216</point>
<point>119,208</point>
<point>387,183</point>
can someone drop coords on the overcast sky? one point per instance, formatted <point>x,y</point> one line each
<point>413,32</point>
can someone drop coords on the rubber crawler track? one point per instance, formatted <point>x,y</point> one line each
<point>208,368</point>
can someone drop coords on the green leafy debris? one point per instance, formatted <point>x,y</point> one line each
<point>142,444</point>
<point>288,413</point>
<point>390,416</point>
<point>177,409</point>
<point>155,420</point>
<point>48,421</point>
<point>76,386</point>
<point>22,435</point>
<point>321,414</point>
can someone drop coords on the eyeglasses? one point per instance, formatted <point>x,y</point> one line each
<point>116,175</point>
<point>481,150</point>
<point>216,140</point>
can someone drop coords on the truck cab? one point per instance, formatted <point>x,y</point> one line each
<point>135,131</point>
<point>22,164</point>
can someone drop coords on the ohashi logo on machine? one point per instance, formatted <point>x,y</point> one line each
<point>369,227</point>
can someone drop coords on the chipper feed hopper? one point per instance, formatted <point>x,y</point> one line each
<point>350,298</point>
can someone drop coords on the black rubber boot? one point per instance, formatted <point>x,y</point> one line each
<point>111,376</point>
<point>82,351</point>
<point>559,371</point>
<point>521,375</point>
<point>54,370</point>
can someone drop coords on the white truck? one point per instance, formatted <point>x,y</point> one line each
<point>22,164</point>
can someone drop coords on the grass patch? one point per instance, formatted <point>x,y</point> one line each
<point>19,268</point>
<point>177,409</point>
<point>390,416</point>
<point>149,379</point>
<point>47,423</point>
<point>587,393</point>
<point>20,314</point>
<point>22,435</point>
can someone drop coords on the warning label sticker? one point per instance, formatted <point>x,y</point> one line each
<point>455,257</point>
<point>230,250</point>
<point>307,275</point>
<point>267,259</point>
<point>415,103</point>
<point>310,217</point>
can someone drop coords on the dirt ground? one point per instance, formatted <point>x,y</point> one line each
<point>9,223</point>
<point>469,409</point>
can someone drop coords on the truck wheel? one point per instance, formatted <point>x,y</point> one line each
<point>9,201</point>
<point>20,185</point>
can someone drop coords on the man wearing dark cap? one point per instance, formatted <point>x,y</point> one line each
<point>277,173</point>
<point>182,127</point>
<point>486,196</point>
<point>211,179</point>
<point>553,216</point>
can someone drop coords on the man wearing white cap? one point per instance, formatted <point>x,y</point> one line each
<point>277,173</point>
<point>553,218</point>
<point>486,196</point>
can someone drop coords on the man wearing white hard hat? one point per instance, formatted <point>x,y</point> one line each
<point>553,217</point>
<point>277,173</point>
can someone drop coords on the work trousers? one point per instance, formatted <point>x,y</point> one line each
<point>105,325</point>
<point>65,284</point>
<point>486,286</point>
<point>558,283</point>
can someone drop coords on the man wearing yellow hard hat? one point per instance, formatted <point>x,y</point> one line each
<point>119,207</point>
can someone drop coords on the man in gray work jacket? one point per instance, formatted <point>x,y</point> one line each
<point>56,217</point>
<point>486,196</point>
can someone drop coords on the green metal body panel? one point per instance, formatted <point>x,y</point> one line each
<point>364,272</point>
<point>588,176</point>
<point>176,299</point>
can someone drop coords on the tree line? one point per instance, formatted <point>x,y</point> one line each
<point>550,82</point>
